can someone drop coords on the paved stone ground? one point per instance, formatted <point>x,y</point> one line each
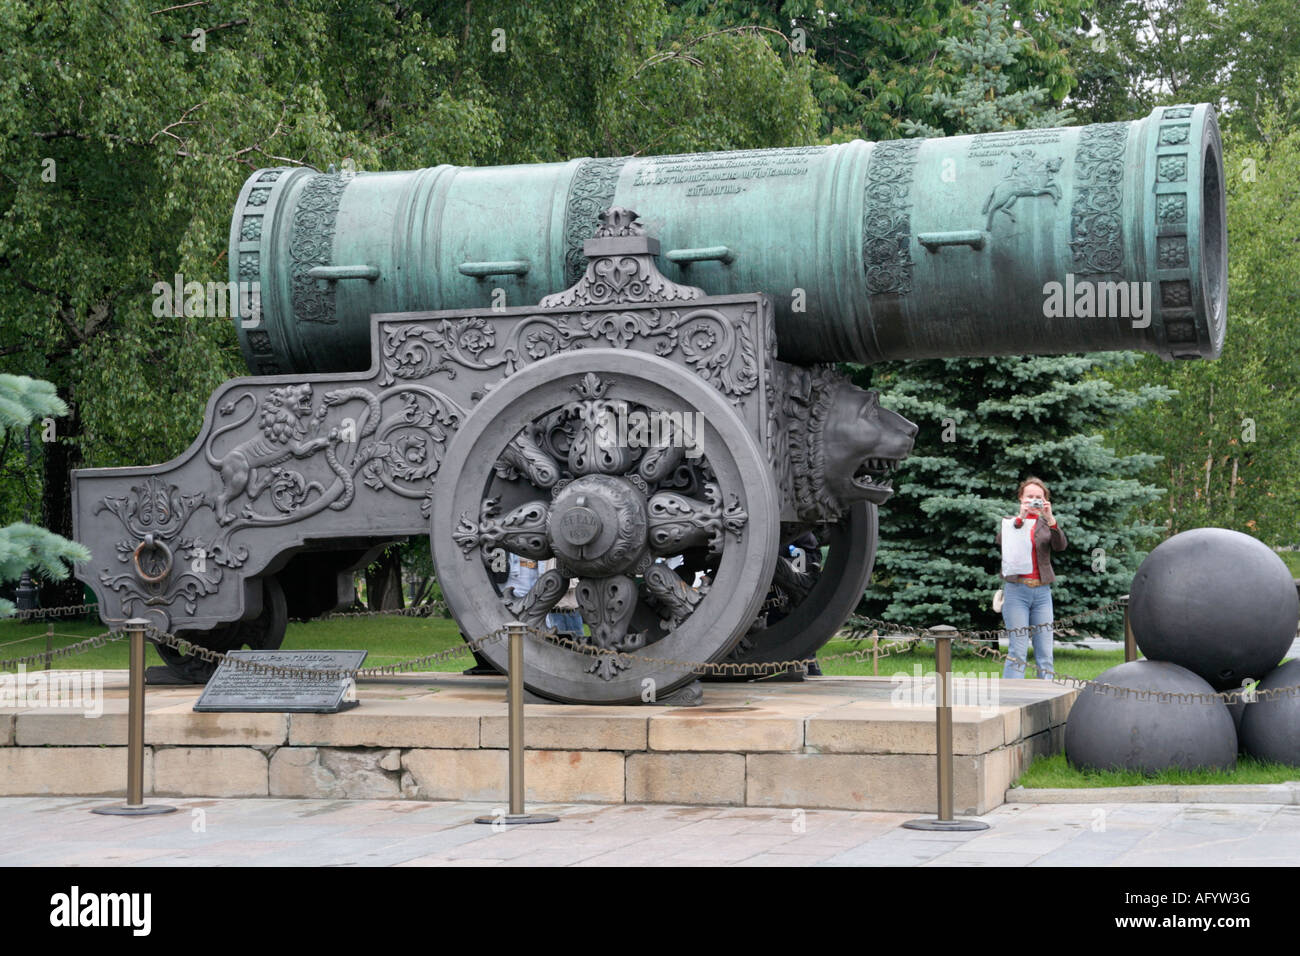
<point>59,831</point>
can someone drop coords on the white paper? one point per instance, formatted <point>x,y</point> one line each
<point>1017,547</point>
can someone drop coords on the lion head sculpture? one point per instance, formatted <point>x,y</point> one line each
<point>283,412</point>
<point>842,444</point>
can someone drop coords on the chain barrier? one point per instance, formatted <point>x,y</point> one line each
<point>89,644</point>
<point>217,657</point>
<point>280,670</point>
<point>976,640</point>
<point>68,610</point>
<point>75,610</point>
<point>1164,697</point>
<point>858,625</point>
<point>714,668</point>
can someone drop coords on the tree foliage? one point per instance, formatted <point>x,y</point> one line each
<point>1235,54</point>
<point>877,66</point>
<point>1230,453</point>
<point>25,546</point>
<point>129,127</point>
<point>985,99</point>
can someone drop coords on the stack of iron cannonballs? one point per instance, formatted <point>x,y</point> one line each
<point>1212,610</point>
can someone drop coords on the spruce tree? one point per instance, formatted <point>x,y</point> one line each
<point>25,546</point>
<point>985,424</point>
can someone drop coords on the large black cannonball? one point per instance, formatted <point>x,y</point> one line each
<point>1217,602</point>
<point>1107,731</point>
<point>1270,727</point>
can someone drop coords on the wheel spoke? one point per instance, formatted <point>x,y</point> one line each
<point>525,456</point>
<point>660,461</point>
<point>595,448</point>
<point>522,530</point>
<point>678,522</point>
<point>533,607</point>
<point>607,605</point>
<point>675,597</point>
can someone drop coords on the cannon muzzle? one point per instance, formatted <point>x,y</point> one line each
<point>1041,241</point>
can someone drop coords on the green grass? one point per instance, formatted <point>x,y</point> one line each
<point>1074,662</point>
<point>388,640</point>
<point>1055,771</point>
<point>1292,559</point>
<point>393,639</point>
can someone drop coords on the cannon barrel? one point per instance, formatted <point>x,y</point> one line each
<point>1041,241</point>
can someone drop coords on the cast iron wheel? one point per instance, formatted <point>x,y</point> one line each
<point>262,633</point>
<point>536,470</point>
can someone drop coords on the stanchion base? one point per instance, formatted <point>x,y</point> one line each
<point>126,810</point>
<point>934,823</point>
<point>510,819</point>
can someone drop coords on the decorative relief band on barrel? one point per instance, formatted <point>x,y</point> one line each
<point>1172,253</point>
<point>259,350</point>
<point>886,217</point>
<point>311,240</point>
<point>264,357</point>
<point>1171,169</point>
<point>249,266</point>
<point>1171,210</point>
<point>1096,234</point>
<point>590,194</point>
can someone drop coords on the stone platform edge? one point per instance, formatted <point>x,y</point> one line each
<point>859,755</point>
<point>1263,793</point>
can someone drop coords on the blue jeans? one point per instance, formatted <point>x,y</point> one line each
<point>1023,606</point>
<point>566,622</point>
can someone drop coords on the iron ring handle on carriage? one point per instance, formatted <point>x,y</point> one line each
<point>150,542</point>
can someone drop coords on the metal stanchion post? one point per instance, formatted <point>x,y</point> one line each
<point>135,805</point>
<point>943,739</point>
<point>515,629</point>
<point>1130,639</point>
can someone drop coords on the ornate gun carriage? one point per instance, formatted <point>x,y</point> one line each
<point>579,393</point>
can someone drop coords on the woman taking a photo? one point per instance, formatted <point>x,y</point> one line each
<point>1028,540</point>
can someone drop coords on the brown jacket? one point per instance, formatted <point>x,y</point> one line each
<point>1046,540</point>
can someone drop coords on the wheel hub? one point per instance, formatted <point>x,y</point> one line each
<point>597,526</point>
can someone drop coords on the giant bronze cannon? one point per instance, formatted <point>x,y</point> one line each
<point>625,365</point>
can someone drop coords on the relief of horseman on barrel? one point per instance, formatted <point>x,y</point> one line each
<point>1027,177</point>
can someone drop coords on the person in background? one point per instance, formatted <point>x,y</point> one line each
<point>1028,539</point>
<point>565,617</point>
<point>523,575</point>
